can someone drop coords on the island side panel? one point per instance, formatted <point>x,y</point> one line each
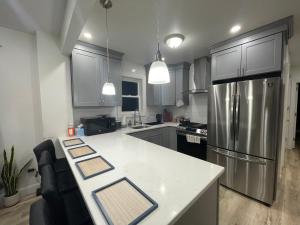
<point>205,211</point>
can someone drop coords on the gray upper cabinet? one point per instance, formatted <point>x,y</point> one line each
<point>89,73</point>
<point>168,91</point>
<point>86,78</point>
<point>257,52</point>
<point>153,91</point>
<point>114,77</point>
<point>182,83</point>
<point>169,94</point>
<point>226,64</point>
<point>262,55</point>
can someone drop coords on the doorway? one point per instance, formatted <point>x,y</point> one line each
<point>297,114</point>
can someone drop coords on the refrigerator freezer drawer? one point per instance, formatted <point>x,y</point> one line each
<point>248,175</point>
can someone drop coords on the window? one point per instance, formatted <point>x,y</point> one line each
<point>130,95</point>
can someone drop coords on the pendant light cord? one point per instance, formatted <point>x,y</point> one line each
<point>158,54</point>
<point>157,21</point>
<point>107,40</point>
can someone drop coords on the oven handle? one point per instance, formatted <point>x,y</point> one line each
<point>184,134</point>
<point>256,161</point>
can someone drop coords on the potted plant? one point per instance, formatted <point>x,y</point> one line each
<point>10,176</point>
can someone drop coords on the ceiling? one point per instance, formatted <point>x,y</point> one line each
<point>32,15</point>
<point>132,25</point>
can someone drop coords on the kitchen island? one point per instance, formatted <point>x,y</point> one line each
<point>185,188</point>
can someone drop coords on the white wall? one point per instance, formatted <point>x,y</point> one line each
<point>55,86</point>
<point>19,122</point>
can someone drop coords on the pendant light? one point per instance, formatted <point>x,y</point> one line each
<point>159,73</point>
<point>108,87</point>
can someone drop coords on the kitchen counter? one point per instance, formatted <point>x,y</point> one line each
<point>174,180</point>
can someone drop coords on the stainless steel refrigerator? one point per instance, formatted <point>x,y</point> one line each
<point>243,135</point>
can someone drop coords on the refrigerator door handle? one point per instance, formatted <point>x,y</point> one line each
<point>245,159</point>
<point>237,120</point>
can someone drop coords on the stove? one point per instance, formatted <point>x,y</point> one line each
<point>192,139</point>
<point>198,129</point>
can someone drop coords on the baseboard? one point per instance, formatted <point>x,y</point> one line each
<point>31,189</point>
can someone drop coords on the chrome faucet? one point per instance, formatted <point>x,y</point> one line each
<point>135,122</point>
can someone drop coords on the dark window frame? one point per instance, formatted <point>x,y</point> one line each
<point>138,96</point>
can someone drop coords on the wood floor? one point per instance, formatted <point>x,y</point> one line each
<point>234,208</point>
<point>18,214</point>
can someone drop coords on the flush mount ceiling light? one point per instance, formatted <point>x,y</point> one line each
<point>108,87</point>
<point>174,40</point>
<point>87,35</point>
<point>235,29</point>
<point>159,73</point>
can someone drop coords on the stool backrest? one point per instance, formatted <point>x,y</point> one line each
<point>45,159</point>
<point>45,145</point>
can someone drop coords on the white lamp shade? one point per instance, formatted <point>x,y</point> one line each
<point>159,73</point>
<point>108,89</point>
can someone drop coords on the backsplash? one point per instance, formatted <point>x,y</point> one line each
<point>148,113</point>
<point>196,111</point>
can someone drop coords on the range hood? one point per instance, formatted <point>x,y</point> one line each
<point>200,76</point>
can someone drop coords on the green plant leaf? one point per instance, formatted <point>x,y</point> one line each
<point>25,166</point>
<point>11,160</point>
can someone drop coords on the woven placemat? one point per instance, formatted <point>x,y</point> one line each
<point>81,151</point>
<point>72,142</point>
<point>93,166</point>
<point>123,203</point>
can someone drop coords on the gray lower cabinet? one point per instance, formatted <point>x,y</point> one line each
<point>172,138</point>
<point>155,139</point>
<point>169,94</point>
<point>262,56</point>
<point>153,135</point>
<point>226,64</point>
<point>86,78</point>
<point>89,73</point>
<point>165,136</point>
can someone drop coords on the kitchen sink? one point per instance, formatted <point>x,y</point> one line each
<point>141,126</point>
<point>153,123</point>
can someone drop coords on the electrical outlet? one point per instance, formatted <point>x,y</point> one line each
<point>30,170</point>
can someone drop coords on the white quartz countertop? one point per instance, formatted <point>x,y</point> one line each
<point>172,179</point>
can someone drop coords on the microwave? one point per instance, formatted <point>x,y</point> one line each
<point>98,125</point>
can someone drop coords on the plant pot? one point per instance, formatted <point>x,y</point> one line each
<point>11,200</point>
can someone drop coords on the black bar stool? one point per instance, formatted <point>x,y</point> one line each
<point>69,207</point>
<point>65,180</point>
<point>59,164</point>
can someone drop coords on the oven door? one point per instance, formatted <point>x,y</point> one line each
<point>191,149</point>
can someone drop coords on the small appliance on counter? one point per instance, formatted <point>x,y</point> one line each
<point>158,118</point>
<point>98,125</point>
<point>167,116</point>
